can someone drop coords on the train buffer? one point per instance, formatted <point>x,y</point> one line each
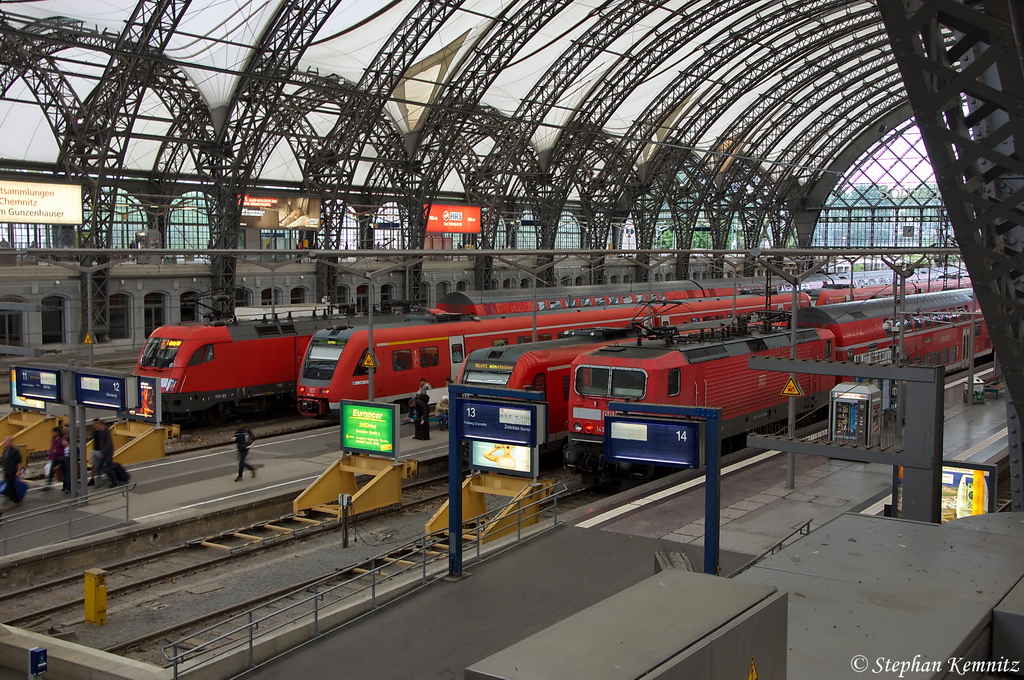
<point>524,509</point>
<point>384,489</point>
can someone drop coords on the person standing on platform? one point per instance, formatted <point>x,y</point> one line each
<point>11,462</point>
<point>103,450</point>
<point>243,439</point>
<point>55,457</point>
<point>419,415</point>
<point>424,386</point>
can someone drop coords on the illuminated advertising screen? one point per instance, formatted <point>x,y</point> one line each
<point>967,490</point>
<point>452,219</point>
<point>32,203</point>
<point>504,458</point>
<point>37,383</point>
<point>280,212</point>
<point>18,402</point>
<point>673,443</point>
<point>369,427</point>
<point>146,409</point>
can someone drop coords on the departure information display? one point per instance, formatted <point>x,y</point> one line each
<point>103,391</point>
<point>369,427</point>
<point>673,443</point>
<point>37,383</point>
<point>504,422</point>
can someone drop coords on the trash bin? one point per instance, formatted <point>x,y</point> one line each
<point>977,395</point>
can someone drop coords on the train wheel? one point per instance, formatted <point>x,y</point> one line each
<point>217,415</point>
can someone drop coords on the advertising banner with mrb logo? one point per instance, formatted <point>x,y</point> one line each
<point>370,427</point>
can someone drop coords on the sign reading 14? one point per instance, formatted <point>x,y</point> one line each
<point>681,435</point>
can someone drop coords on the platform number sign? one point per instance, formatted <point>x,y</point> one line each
<point>37,383</point>
<point>672,443</point>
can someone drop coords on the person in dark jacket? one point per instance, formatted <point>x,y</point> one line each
<point>103,447</point>
<point>419,414</point>
<point>243,438</point>
<point>56,457</point>
<point>11,462</point>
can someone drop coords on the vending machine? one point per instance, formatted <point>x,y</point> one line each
<point>856,414</point>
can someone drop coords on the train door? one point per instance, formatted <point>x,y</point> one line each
<point>965,345</point>
<point>457,352</point>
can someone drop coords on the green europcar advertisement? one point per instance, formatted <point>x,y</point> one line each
<point>368,427</point>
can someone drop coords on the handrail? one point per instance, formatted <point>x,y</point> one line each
<point>66,507</point>
<point>422,551</point>
<point>802,530</point>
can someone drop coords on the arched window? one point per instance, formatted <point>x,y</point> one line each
<point>441,289</point>
<point>361,292</point>
<point>153,312</point>
<point>614,278</point>
<point>506,283</point>
<point>120,316</point>
<point>566,281</point>
<point>387,292</point>
<point>187,304</point>
<point>658,277</point>
<point>341,294</point>
<point>670,276</point>
<point>53,319</point>
<point>298,296</point>
<point>270,296</point>
<point>10,322</point>
<point>462,285</point>
<point>242,297</point>
<point>627,279</point>
<point>526,283</point>
<point>581,281</point>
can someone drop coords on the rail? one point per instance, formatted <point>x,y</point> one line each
<point>246,629</point>
<point>71,522</point>
<point>801,530</point>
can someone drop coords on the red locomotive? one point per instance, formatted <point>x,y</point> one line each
<point>212,370</point>
<point>715,372</point>
<point>334,370</point>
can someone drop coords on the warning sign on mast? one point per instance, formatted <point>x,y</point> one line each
<point>792,389</point>
<point>368,361</point>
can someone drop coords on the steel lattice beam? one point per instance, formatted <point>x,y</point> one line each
<point>962,69</point>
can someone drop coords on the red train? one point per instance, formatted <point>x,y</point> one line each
<point>333,368</point>
<point>210,371</point>
<point>715,373</point>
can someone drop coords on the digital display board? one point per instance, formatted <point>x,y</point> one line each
<point>280,212</point>
<point>504,458</point>
<point>674,443</point>
<point>967,490</point>
<point>369,427</point>
<point>18,402</point>
<point>33,203</point>
<point>504,422</point>
<point>103,391</point>
<point>452,219</point>
<point>38,383</point>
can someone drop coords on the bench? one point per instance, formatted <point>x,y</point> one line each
<point>995,388</point>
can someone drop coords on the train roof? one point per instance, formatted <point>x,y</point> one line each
<point>249,329</point>
<point>846,312</point>
<point>697,352</point>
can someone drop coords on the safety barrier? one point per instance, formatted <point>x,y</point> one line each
<point>245,639</point>
<point>68,520</point>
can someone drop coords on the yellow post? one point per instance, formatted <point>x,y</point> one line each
<point>96,596</point>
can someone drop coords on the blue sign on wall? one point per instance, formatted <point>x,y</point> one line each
<point>37,383</point>
<point>504,422</point>
<point>37,660</point>
<point>103,391</point>
<point>674,443</point>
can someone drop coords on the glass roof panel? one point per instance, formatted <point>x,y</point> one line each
<point>34,140</point>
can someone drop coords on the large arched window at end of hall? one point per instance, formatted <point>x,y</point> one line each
<point>188,306</point>
<point>153,312</point>
<point>120,316</point>
<point>387,292</point>
<point>52,318</point>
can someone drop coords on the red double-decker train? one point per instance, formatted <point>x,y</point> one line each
<point>935,329</point>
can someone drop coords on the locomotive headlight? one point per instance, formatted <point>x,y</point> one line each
<point>577,427</point>
<point>325,391</point>
<point>588,428</point>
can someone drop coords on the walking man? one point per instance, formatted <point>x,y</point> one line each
<point>243,439</point>
<point>11,462</point>
<point>103,448</point>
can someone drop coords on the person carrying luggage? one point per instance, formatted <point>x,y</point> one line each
<point>243,440</point>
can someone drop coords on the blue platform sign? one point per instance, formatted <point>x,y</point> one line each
<point>673,443</point>
<point>38,383</point>
<point>522,424</point>
<point>103,391</point>
<point>37,660</point>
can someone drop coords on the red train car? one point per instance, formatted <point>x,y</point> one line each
<point>214,370</point>
<point>831,296</point>
<point>715,373</point>
<point>333,368</point>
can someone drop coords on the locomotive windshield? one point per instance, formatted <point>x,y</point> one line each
<point>321,360</point>
<point>600,381</point>
<point>159,353</point>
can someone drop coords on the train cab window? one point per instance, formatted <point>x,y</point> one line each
<point>628,384</point>
<point>523,339</point>
<point>159,353</point>
<point>202,355</point>
<point>592,381</point>
<point>401,360</point>
<point>673,382</point>
<point>458,353</point>
<point>544,336</point>
<point>499,342</point>
<point>623,383</point>
<point>429,356</point>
